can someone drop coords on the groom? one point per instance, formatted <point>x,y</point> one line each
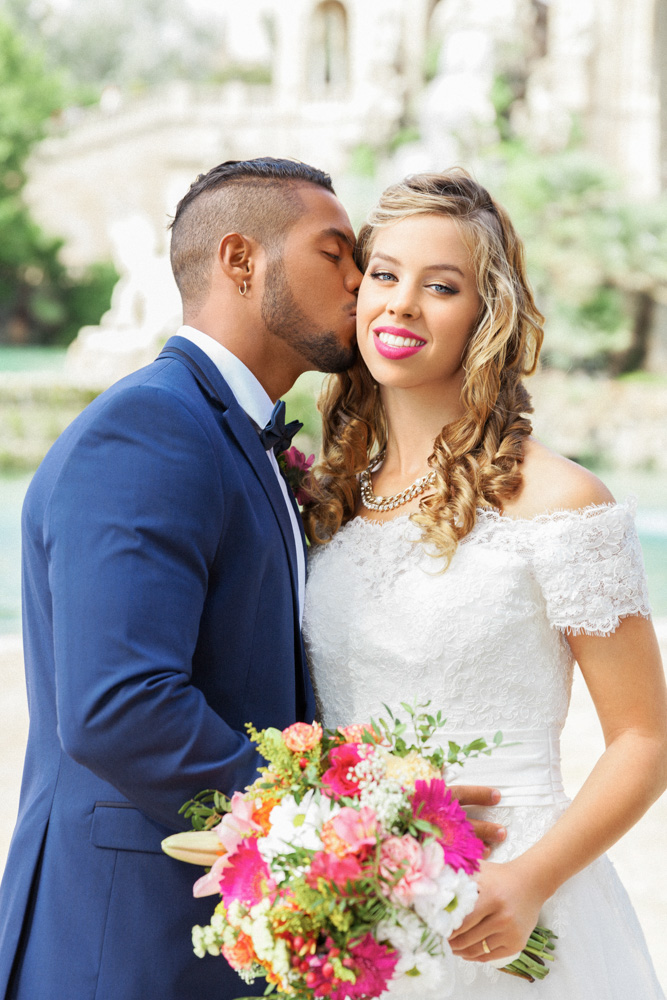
<point>163,581</point>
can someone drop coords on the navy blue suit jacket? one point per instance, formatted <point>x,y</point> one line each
<point>160,607</point>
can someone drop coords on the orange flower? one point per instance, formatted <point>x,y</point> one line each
<point>262,812</point>
<point>332,843</point>
<point>355,733</point>
<point>301,737</point>
<point>241,953</point>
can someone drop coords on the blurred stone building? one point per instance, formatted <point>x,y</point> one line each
<point>347,75</point>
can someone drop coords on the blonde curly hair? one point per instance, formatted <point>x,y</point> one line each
<point>476,458</point>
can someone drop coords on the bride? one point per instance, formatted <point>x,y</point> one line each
<point>459,560</point>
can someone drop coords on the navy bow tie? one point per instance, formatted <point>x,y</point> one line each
<point>276,435</point>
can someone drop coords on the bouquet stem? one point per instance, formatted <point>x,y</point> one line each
<point>531,964</point>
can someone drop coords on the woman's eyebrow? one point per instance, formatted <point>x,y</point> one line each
<point>431,267</point>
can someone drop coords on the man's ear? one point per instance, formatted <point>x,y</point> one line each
<point>237,258</point>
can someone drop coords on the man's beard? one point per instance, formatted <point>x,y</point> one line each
<point>283,318</point>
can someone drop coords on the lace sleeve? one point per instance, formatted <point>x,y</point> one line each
<point>589,565</point>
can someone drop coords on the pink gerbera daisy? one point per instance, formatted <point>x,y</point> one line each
<point>247,878</point>
<point>434,803</point>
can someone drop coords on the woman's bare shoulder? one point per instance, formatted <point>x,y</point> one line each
<point>553,482</point>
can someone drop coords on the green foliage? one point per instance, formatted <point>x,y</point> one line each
<point>404,136</point>
<point>431,58</point>
<point>39,300</point>
<point>257,75</point>
<point>206,809</point>
<point>424,726</point>
<point>590,250</point>
<point>363,160</point>
<point>28,96</point>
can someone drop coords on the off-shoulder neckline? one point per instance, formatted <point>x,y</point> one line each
<point>494,514</point>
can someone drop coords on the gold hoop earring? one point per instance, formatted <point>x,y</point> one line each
<point>244,289</point>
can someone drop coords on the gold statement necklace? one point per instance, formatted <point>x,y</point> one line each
<point>372,502</point>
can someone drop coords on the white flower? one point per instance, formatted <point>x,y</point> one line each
<point>405,935</point>
<point>445,901</point>
<point>262,938</point>
<point>425,967</point>
<point>296,825</point>
<point>204,939</point>
<point>422,976</point>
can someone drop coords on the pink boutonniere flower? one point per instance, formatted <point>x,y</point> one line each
<point>296,469</point>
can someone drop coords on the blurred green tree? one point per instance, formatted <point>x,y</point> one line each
<point>39,300</point>
<point>598,260</point>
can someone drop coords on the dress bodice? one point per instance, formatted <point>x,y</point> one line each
<point>484,640</point>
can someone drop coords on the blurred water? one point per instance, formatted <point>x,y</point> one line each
<point>651,522</point>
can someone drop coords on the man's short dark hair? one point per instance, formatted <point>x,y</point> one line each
<point>257,198</point>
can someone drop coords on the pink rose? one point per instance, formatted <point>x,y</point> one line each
<point>355,827</point>
<point>404,856</point>
<point>301,737</point>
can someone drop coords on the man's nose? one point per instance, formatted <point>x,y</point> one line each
<point>353,279</point>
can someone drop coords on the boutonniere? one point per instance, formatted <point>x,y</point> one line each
<point>296,469</point>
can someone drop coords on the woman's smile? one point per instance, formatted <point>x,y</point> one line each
<point>397,342</point>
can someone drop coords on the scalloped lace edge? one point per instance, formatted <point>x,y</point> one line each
<point>586,628</point>
<point>495,514</point>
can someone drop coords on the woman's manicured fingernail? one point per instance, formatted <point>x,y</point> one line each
<point>495,796</point>
<point>502,833</point>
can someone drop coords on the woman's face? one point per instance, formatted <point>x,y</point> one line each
<point>417,305</point>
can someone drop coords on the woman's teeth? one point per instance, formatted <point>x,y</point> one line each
<point>392,341</point>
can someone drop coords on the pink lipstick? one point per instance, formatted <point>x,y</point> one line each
<point>396,342</point>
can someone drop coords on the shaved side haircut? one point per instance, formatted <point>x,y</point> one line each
<point>256,198</point>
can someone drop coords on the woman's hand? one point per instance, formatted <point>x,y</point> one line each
<point>506,913</point>
<point>481,795</point>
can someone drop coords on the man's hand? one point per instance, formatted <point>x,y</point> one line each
<point>480,795</point>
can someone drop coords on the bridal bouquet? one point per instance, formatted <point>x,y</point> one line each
<point>345,866</point>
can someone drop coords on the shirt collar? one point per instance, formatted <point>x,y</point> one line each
<point>249,393</point>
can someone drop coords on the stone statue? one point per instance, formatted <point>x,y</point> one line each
<point>145,309</point>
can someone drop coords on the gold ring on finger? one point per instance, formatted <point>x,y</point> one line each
<point>485,947</point>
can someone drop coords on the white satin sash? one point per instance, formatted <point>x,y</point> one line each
<point>525,769</point>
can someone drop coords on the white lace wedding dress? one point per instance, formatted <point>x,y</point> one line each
<point>485,642</point>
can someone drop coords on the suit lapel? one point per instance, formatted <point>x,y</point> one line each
<point>238,424</point>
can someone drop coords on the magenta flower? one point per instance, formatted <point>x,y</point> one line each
<point>247,877</point>
<point>296,467</point>
<point>434,803</point>
<point>374,966</point>
<point>232,829</point>
<point>339,777</point>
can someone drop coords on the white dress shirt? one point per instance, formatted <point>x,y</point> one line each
<point>253,398</point>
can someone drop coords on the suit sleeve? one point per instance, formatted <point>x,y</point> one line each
<point>133,524</point>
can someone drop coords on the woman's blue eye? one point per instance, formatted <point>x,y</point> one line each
<point>382,275</point>
<point>446,289</point>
